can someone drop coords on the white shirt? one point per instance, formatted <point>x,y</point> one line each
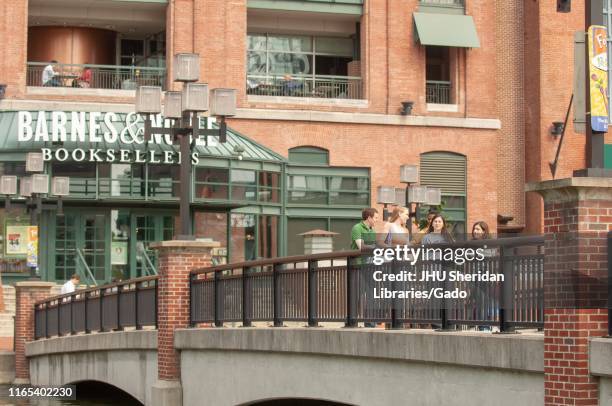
<point>48,74</point>
<point>67,287</point>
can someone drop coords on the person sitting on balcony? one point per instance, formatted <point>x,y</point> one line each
<point>290,85</point>
<point>49,77</point>
<point>85,79</point>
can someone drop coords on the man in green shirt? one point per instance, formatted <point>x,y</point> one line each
<point>363,237</point>
<point>362,233</point>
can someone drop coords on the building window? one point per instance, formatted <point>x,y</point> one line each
<point>328,190</point>
<point>448,171</point>
<point>301,66</point>
<point>164,181</point>
<point>309,156</point>
<point>438,75</point>
<point>297,226</point>
<point>212,183</point>
<point>83,182</point>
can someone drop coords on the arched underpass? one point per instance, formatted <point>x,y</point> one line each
<point>100,393</point>
<point>295,402</point>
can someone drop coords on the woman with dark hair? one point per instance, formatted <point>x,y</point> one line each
<point>437,233</point>
<point>480,231</point>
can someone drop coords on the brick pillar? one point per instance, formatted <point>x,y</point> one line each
<point>27,293</point>
<point>176,260</point>
<point>577,218</point>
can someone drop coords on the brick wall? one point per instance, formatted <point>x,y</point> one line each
<point>27,293</point>
<point>13,34</point>
<point>577,218</point>
<point>566,353</point>
<point>176,260</point>
<point>510,109</point>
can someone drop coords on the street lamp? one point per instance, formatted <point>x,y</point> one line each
<point>184,108</point>
<point>33,187</point>
<point>386,195</point>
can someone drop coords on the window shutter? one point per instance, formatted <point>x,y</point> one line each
<point>444,170</point>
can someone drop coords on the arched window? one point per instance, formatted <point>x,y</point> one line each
<point>309,156</point>
<point>448,171</point>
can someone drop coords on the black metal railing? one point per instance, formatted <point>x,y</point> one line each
<point>452,3</point>
<point>101,77</point>
<point>320,86</point>
<point>438,92</point>
<point>335,287</point>
<point>131,303</point>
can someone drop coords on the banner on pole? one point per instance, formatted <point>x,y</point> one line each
<point>598,77</point>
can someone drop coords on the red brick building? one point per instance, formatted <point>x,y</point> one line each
<point>323,85</point>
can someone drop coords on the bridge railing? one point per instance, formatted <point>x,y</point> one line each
<point>338,287</point>
<point>131,303</point>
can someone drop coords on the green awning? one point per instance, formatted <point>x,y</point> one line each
<point>9,144</point>
<point>449,30</point>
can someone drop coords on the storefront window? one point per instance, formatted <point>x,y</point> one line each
<point>244,186</point>
<point>82,177</point>
<point>211,183</point>
<point>307,189</point>
<point>269,187</point>
<point>12,168</point>
<point>122,180</point>
<point>164,181</point>
<point>120,237</point>
<point>13,252</point>
<point>268,236</point>
<point>349,190</point>
<point>242,240</point>
<point>213,226</point>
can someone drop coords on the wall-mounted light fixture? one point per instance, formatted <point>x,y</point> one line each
<point>557,128</point>
<point>564,6</point>
<point>407,108</point>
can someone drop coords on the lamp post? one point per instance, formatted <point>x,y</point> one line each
<point>33,187</point>
<point>415,194</point>
<point>183,108</point>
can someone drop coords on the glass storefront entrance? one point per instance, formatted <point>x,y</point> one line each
<point>108,244</point>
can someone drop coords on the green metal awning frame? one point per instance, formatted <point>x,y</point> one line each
<point>449,30</point>
<point>11,149</point>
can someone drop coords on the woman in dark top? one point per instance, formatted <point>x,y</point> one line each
<point>437,233</point>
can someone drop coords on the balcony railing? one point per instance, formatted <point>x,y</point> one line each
<point>455,3</point>
<point>102,76</point>
<point>326,87</point>
<point>438,92</point>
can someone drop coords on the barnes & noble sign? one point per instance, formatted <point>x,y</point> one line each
<point>123,136</point>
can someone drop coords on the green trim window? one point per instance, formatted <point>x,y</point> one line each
<point>241,184</point>
<point>163,181</point>
<point>299,225</point>
<point>448,171</point>
<point>309,156</point>
<point>328,190</point>
<point>211,183</point>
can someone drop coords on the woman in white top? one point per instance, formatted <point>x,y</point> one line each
<point>395,230</point>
